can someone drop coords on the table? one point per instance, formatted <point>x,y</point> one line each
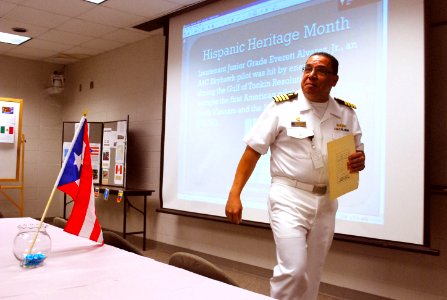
<point>126,203</point>
<point>78,268</point>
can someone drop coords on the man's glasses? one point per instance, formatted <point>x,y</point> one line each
<point>319,71</point>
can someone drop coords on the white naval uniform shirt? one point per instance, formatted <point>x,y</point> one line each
<point>291,146</point>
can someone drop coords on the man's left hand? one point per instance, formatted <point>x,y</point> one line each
<point>356,162</point>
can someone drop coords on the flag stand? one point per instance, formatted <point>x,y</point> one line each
<point>20,205</point>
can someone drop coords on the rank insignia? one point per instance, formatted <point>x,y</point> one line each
<point>345,103</point>
<point>285,97</point>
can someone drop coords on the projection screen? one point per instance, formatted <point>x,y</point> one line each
<point>227,59</point>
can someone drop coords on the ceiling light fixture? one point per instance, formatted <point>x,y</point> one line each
<point>95,1</point>
<point>13,38</point>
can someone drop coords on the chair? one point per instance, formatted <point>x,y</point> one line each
<point>201,266</point>
<point>59,222</point>
<point>113,239</point>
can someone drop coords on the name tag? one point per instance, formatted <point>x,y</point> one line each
<point>317,158</point>
<point>298,124</point>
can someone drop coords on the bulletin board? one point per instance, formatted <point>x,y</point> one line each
<point>95,138</point>
<point>108,143</point>
<point>10,138</point>
<point>114,153</point>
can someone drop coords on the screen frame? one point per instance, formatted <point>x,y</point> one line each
<point>163,22</point>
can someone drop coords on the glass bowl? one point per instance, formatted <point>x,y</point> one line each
<point>23,241</point>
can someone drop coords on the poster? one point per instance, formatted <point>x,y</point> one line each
<point>10,138</point>
<point>7,123</point>
<point>119,174</point>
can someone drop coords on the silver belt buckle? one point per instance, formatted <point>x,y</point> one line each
<point>319,190</point>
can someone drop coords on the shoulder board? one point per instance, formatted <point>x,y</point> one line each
<point>285,97</point>
<point>345,103</point>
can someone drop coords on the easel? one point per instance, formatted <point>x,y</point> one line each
<point>21,185</point>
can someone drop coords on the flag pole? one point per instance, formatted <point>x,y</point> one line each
<point>50,199</point>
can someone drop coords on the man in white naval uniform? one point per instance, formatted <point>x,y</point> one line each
<point>297,127</point>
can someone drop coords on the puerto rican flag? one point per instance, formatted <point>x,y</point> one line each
<point>76,180</point>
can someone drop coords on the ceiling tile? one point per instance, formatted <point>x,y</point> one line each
<point>64,37</point>
<point>111,17</point>
<point>35,16</point>
<point>83,51</point>
<point>47,45</point>
<point>6,47</point>
<point>70,8</point>
<point>185,2</point>
<point>61,60</point>
<point>6,7</point>
<point>86,28</point>
<point>144,8</point>
<point>32,30</point>
<point>65,31</point>
<point>126,36</point>
<point>14,1</point>
<point>101,44</point>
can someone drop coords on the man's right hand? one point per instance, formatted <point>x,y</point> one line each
<point>233,209</point>
<point>248,161</point>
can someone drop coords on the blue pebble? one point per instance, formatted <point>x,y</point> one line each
<point>33,260</point>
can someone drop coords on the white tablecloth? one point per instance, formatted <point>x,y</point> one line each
<point>78,268</point>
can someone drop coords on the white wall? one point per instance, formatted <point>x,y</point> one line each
<point>41,125</point>
<point>127,81</point>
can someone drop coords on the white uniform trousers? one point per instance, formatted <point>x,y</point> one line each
<point>303,228</point>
